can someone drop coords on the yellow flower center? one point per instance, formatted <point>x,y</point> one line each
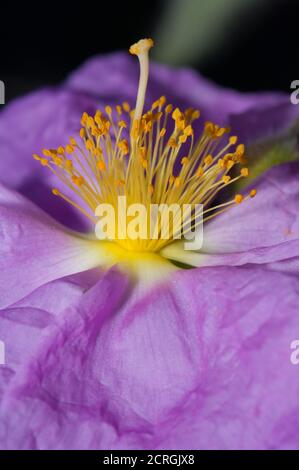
<point>150,158</point>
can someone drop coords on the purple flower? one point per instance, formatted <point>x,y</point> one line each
<point>108,348</point>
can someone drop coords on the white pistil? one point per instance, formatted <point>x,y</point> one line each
<point>141,49</point>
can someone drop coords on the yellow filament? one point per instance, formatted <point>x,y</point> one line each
<point>150,158</point>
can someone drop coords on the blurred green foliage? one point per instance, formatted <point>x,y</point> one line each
<point>191,30</point>
<point>264,155</point>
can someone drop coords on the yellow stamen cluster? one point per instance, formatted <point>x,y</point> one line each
<point>151,158</point>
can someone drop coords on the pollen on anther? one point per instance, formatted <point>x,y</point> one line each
<point>208,160</point>
<point>233,139</point>
<point>239,198</point>
<point>185,160</point>
<point>69,149</point>
<point>43,161</point>
<point>200,171</point>
<point>150,189</point>
<point>226,179</point>
<point>244,172</point>
<point>126,107</point>
<point>101,165</point>
<point>177,182</point>
<point>240,150</point>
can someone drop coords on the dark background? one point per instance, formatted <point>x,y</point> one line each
<point>42,43</point>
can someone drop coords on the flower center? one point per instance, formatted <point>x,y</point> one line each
<point>151,158</point>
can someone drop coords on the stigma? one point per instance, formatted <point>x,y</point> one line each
<point>160,156</point>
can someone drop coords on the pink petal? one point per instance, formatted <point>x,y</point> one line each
<point>200,362</point>
<point>35,249</point>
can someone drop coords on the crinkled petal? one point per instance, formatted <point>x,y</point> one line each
<point>202,361</point>
<point>20,332</point>
<point>34,249</point>
<point>265,122</point>
<point>22,325</point>
<point>54,297</point>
